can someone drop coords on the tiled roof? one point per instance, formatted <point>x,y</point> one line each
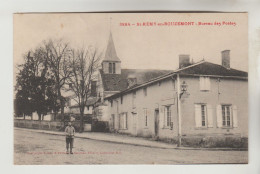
<point>200,68</point>
<point>118,82</point>
<point>207,68</point>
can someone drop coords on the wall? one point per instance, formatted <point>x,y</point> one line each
<point>100,89</point>
<point>118,68</point>
<point>234,92</point>
<point>105,67</point>
<point>48,125</point>
<point>33,124</point>
<point>158,95</point>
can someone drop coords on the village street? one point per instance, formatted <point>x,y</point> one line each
<point>39,148</point>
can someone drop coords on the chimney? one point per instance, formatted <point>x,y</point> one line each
<point>184,60</point>
<point>131,81</point>
<point>93,88</point>
<point>226,58</point>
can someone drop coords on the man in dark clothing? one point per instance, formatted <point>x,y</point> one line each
<point>70,131</point>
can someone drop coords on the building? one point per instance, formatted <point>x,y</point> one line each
<point>71,105</point>
<point>113,79</point>
<point>197,100</point>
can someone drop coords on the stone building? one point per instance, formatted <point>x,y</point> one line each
<point>197,100</point>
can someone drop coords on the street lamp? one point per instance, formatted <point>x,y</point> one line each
<point>183,88</point>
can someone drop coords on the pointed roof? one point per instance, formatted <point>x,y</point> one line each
<point>111,51</point>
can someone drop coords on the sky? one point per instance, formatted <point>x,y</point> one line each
<point>140,47</point>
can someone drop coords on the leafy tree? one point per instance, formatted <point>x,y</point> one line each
<point>34,86</point>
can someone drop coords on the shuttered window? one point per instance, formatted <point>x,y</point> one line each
<point>203,115</point>
<point>167,116</point>
<point>198,115</point>
<point>204,83</point>
<point>210,116</point>
<point>145,117</point>
<point>162,116</point>
<point>123,121</point>
<point>235,122</point>
<point>227,116</point>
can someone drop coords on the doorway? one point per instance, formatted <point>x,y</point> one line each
<point>134,125</point>
<point>156,122</point>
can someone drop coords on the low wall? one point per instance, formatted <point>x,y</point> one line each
<point>36,124</point>
<point>216,142</point>
<point>48,125</point>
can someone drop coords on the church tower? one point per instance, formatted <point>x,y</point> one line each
<point>111,63</point>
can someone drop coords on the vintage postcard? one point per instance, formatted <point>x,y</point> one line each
<point>130,88</point>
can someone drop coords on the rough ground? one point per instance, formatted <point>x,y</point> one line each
<point>38,148</point>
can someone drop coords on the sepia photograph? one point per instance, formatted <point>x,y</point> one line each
<point>130,88</point>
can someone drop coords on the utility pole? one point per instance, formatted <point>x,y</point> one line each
<point>179,110</point>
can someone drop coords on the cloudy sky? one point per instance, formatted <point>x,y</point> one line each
<point>143,47</point>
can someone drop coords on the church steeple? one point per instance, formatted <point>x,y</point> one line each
<point>111,63</point>
<point>111,50</point>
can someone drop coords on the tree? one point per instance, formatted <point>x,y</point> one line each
<point>83,65</point>
<point>57,54</point>
<point>34,86</point>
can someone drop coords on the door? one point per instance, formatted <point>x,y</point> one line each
<point>156,122</point>
<point>113,121</point>
<point>134,125</point>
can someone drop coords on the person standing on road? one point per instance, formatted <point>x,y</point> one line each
<point>70,131</point>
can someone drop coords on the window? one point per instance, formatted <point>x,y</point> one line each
<point>204,83</point>
<point>111,103</point>
<point>133,101</point>
<point>145,91</point>
<point>121,99</point>
<point>110,68</point>
<point>226,115</point>
<point>114,68</point>
<point>203,115</point>
<point>168,115</point>
<point>123,121</point>
<point>145,117</point>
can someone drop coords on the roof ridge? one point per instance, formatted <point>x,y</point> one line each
<point>195,64</point>
<point>224,67</point>
<point>146,69</point>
